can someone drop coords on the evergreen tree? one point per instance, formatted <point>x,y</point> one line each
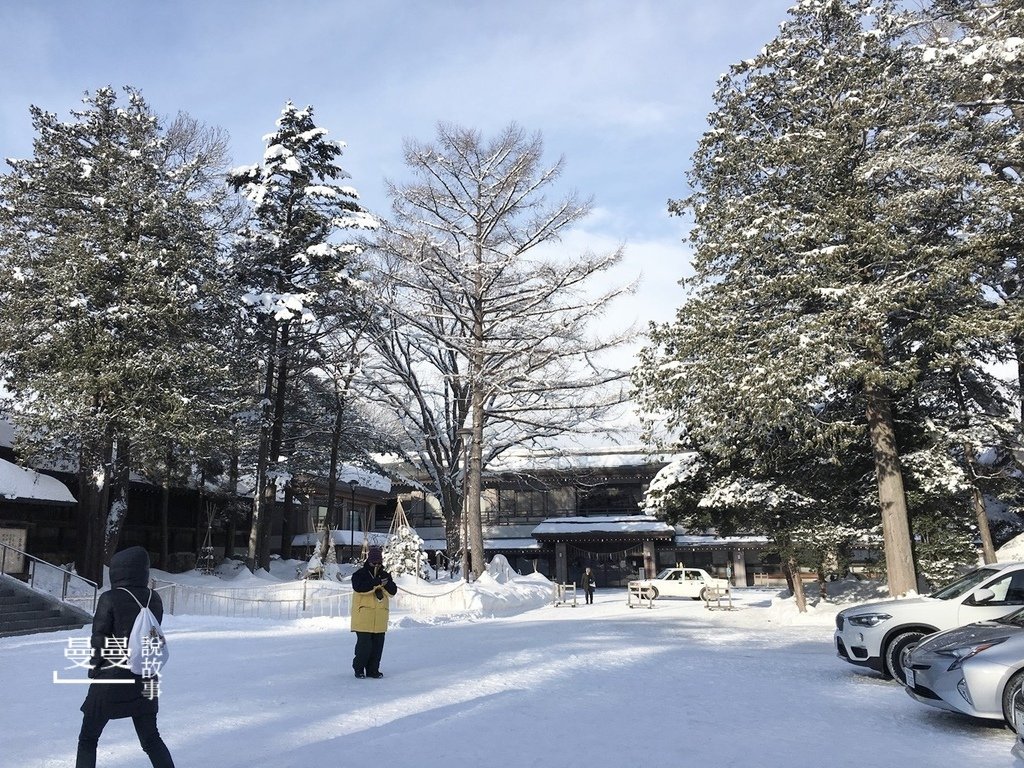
<point>825,199</point>
<point>977,52</point>
<point>295,274</point>
<point>107,262</point>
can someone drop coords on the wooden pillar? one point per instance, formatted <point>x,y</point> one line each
<point>650,561</point>
<point>739,568</point>
<point>561,564</point>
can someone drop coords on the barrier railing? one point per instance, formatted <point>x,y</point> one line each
<point>54,580</point>
<point>293,600</point>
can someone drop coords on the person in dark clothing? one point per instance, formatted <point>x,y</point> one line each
<point>372,589</point>
<point>136,697</point>
<point>588,584</point>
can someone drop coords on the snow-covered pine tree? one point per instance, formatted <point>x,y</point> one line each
<point>107,256</point>
<point>976,51</point>
<point>296,274</point>
<point>825,255</point>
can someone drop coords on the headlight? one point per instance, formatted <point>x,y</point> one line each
<point>868,619</point>
<point>963,653</point>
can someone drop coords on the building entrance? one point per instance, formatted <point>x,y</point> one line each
<point>612,565</point>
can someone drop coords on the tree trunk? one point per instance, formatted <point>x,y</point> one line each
<point>259,512</point>
<point>229,543</point>
<point>451,503</point>
<point>165,502</point>
<point>475,520</point>
<point>286,522</point>
<point>118,503</point>
<point>91,514</point>
<point>988,548</point>
<point>94,503</point>
<point>977,498</point>
<point>258,504</point>
<point>1018,349</point>
<point>276,443</point>
<point>332,479</point>
<point>472,505</point>
<point>798,584</point>
<point>899,558</point>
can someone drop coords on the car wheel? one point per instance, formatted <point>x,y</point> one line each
<point>652,593</point>
<point>1013,686</point>
<point>703,594</point>
<point>894,654</point>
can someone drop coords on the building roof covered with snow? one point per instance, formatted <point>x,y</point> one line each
<point>603,526</point>
<point>23,484</point>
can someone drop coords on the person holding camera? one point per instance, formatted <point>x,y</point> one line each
<point>372,588</point>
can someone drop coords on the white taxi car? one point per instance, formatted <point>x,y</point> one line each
<point>678,582</point>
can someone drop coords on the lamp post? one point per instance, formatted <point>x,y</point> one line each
<point>465,435</point>
<point>351,517</point>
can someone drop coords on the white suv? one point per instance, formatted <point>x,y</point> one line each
<point>876,634</point>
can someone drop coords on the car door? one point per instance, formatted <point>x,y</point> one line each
<point>693,583</point>
<point>672,586</point>
<point>1009,596</point>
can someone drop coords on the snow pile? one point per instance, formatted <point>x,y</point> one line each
<point>500,570</point>
<point>489,597</point>
<point>1011,551</point>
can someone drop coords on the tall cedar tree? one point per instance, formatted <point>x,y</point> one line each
<point>825,269</point>
<point>107,256</point>
<point>295,274</point>
<point>978,53</point>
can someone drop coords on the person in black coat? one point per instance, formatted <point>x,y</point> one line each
<point>372,590</point>
<point>588,584</point>
<point>136,698</point>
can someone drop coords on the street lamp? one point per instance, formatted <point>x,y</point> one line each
<point>465,435</point>
<point>351,517</point>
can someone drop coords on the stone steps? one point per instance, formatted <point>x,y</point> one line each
<point>24,611</point>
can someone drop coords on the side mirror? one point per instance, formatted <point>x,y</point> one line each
<point>981,596</point>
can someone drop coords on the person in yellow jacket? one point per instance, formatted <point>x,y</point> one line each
<point>372,589</point>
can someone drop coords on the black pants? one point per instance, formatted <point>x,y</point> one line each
<point>369,647</point>
<point>145,728</point>
<point>589,593</point>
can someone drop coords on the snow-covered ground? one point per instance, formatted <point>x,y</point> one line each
<point>591,686</point>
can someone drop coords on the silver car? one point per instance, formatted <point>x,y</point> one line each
<point>976,670</point>
<point>1018,716</point>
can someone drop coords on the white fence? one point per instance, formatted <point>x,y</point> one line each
<point>301,599</point>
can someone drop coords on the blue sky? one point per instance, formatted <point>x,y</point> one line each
<point>620,89</point>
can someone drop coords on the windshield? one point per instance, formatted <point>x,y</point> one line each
<point>664,573</point>
<point>1015,619</point>
<point>964,584</point>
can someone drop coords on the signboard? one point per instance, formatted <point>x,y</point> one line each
<point>13,562</point>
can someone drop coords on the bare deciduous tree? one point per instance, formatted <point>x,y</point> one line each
<point>489,328</point>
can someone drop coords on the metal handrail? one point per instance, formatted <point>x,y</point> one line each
<point>66,575</point>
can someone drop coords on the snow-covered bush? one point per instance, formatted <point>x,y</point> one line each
<point>404,553</point>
